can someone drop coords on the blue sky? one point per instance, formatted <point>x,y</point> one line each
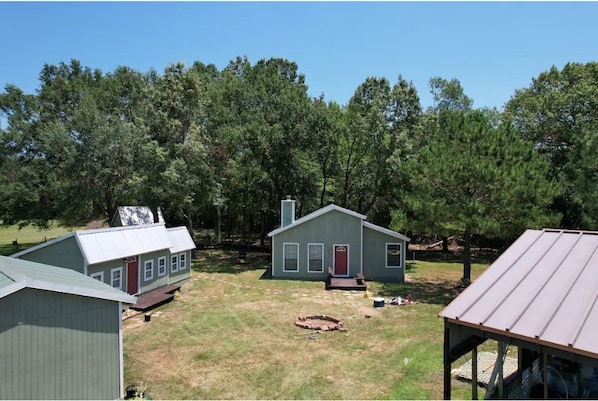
<point>493,48</point>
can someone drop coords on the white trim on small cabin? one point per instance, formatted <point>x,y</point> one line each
<point>182,261</point>
<point>315,214</point>
<point>97,276</point>
<point>284,260</point>
<point>321,245</point>
<point>401,264</point>
<point>150,263</point>
<point>174,263</point>
<point>162,264</point>
<point>120,277</point>
<point>347,248</point>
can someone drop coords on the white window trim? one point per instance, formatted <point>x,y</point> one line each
<point>120,270</point>
<point>308,259</point>
<point>96,275</point>
<point>145,277</point>
<point>162,259</point>
<point>400,266</point>
<point>174,267</point>
<point>284,268</point>
<point>334,260</point>
<point>183,262</point>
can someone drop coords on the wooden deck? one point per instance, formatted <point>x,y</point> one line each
<point>155,298</point>
<point>347,283</point>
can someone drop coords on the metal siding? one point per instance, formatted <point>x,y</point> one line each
<point>64,253</point>
<point>542,288</point>
<point>374,256</point>
<point>331,228</point>
<point>67,343</point>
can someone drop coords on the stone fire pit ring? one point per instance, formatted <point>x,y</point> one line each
<point>320,322</point>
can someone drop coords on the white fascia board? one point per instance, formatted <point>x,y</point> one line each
<point>315,214</point>
<point>386,231</point>
<point>42,245</point>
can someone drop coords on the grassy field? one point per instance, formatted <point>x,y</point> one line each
<point>229,334</point>
<point>26,237</point>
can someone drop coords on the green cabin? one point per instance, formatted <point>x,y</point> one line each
<point>337,241</point>
<point>60,334</point>
<point>135,259</point>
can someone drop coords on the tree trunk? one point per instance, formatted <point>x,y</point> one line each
<point>218,225</point>
<point>467,257</point>
<point>445,244</point>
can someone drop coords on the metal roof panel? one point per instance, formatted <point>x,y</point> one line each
<point>180,239</point>
<point>544,287</point>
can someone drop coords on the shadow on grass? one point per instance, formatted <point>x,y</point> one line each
<point>437,256</point>
<point>229,263</point>
<point>437,292</point>
<point>9,249</point>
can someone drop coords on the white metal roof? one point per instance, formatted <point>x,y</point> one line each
<point>386,231</point>
<point>543,288</point>
<point>180,239</point>
<point>16,274</point>
<point>315,214</point>
<point>112,243</point>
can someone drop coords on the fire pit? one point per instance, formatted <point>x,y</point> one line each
<point>322,323</point>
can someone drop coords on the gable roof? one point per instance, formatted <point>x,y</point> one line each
<point>104,244</point>
<point>386,231</point>
<point>314,215</point>
<point>180,239</point>
<point>16,274</point>
<point>543,289</point>
<point>135,215</point>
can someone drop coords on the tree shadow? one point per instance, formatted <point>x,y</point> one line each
<point>230,262</point>
<point>437,292</point>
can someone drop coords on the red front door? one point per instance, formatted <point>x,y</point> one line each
<point>341,260</point>
<point>133,277</point>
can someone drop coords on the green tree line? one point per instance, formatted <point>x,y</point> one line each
<point>220,148</point>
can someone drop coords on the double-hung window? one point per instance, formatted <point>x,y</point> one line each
<point>393,256</point>
<point>182,261</point>
<point>315,258</point>
<point>148,270</point>
<point>116,278</point>
<point>290,255</point>
<point>161,266</point>
<point>174,264</point>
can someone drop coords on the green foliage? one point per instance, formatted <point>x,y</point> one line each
<point>474,178</point>
<point>558,114</point>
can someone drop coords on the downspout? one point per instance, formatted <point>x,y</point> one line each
<point>447,362</point>
<point>120,353</point>
<point>272,261</point>
<point>361,250</point>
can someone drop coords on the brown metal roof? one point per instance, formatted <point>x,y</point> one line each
<point>544,288</point>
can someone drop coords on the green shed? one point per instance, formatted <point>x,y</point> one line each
<point>60,334</point>
<point>338,241</point>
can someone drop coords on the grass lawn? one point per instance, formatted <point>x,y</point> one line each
<point>229,334</point>
<point>26,237</point>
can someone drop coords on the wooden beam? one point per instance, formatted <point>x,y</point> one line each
<point>545,373</point>
<point>474,373</point>
<point>447,364</point>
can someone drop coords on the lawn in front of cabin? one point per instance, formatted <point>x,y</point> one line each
<point>230,334</point>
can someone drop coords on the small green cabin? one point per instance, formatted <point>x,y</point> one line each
<point>60,334</point>
<point>135,259</point>
<point>338,241</point>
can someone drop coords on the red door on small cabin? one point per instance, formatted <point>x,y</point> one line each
<point>132,276</point>
<point>341,260</point>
